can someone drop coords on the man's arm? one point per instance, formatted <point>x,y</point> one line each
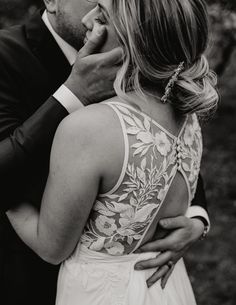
<point>198,208</point>
<point>23,141</point>
<point>34,135</point>
<point>200,196</point>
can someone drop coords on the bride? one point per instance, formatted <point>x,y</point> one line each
<point>136,160</point>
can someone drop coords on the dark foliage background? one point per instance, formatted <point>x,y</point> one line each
<point>211,263</point>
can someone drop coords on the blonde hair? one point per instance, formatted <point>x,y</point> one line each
<point>157,35</point>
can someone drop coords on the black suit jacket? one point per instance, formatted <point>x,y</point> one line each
<point>32,67</point>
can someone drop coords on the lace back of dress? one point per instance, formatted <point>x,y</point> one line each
<point>121,218</point>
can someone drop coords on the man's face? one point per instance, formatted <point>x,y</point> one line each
<point>66,16</point>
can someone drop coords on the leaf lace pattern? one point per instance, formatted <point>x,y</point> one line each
<point>120,219</point>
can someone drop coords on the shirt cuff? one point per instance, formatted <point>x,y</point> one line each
<point>198,211</point>
<point>67,99</point>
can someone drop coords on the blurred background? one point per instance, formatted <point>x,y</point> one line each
<point>211,263</point>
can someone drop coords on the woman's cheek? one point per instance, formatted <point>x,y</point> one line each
<point>111,41</point>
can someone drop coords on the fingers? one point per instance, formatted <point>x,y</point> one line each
<point>160,260</point>
<point>157,245</point>
<point>94,42</point>
<point>112,57</point>
<point>103,60</point>
<point>166,277</point>
<point>174,223</point>
<point>162,271</point>
<point>180,231</point>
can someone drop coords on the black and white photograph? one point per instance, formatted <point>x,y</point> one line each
<point>117,152</point>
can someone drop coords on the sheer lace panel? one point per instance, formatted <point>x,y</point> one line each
<point>121,218</point>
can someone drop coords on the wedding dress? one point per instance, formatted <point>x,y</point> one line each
<point>101,269</point>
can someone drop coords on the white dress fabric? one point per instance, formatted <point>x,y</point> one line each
<point>101,269</point>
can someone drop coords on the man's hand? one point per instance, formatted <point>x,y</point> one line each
<point>93,75</point>
<point>183,233</point>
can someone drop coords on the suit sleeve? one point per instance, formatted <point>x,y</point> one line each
<point>200,196</point>
<point>198,208</point>
<point>21,140</point>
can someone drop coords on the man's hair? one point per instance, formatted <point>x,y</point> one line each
<point>157,36</point>
<point>17,11</point>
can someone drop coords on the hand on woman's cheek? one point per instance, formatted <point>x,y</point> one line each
<point>110,41</point>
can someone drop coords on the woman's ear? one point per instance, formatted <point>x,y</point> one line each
<point>51,5</point>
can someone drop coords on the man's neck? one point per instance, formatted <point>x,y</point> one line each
<point>69,52</point>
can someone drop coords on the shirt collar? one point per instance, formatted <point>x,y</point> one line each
<point>69,52</point>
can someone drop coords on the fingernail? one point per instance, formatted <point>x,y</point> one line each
<point>149,284</point>
<point>163,223</point>
<point>138,267</point>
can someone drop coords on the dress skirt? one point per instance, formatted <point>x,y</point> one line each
<point>93,278</point>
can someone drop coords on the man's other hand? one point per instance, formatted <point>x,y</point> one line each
<point>183,233</point>
<point>93,74</point>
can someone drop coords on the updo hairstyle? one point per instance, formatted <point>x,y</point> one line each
<point>157,36</point>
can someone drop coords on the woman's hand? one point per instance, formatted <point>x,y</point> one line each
<point>183,233</point>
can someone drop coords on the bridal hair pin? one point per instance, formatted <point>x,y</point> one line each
<point>172,81</point>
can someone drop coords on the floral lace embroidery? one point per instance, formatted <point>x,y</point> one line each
<point>119,221</point>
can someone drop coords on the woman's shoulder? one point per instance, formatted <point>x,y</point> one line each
<point>90,124</point>
<point>94,134</point>
<point>90,117</point>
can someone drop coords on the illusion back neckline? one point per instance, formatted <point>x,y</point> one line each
<point>154,121</point>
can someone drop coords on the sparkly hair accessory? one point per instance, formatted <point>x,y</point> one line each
<point>172,81</point>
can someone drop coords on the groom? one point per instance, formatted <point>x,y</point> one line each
<point>38,88</point>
